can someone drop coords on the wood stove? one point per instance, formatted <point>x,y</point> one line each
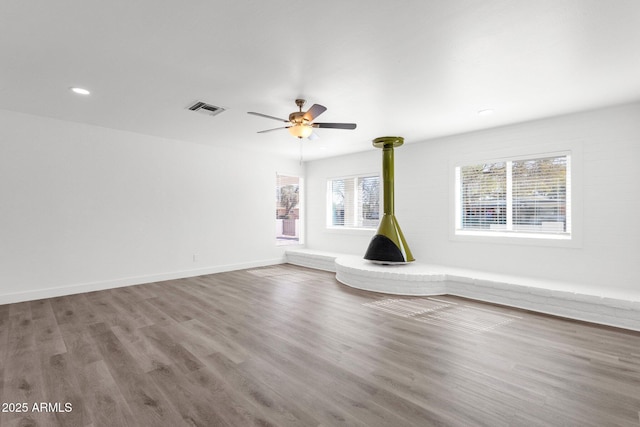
<point>388,246</point>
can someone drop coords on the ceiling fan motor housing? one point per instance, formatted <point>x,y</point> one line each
<point>297,118</point>
<point>388,246</point>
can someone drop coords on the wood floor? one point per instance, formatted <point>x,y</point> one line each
<point>285,345</point>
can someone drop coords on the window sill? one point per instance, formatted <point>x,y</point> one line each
<point>349,230</point>
<point>513,238</point>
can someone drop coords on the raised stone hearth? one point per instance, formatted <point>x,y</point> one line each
<point>598,305</point>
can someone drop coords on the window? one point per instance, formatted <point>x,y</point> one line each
<point>527,197</point>
<point>287,210</point>
<point>353,202</point>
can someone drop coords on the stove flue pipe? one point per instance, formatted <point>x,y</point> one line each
<point>388,246</point>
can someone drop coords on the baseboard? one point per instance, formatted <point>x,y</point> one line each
<point>129,281</point>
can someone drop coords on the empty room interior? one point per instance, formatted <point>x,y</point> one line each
<point>416,213</point>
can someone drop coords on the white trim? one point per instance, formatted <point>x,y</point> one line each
<point>350,230</point>
<point>514,234</point>
<point>130,281</point>
<point>515,238</point>
<point>509,165</point>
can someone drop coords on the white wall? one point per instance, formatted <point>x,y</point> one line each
<point>606,144</point>
<point>84,207</point>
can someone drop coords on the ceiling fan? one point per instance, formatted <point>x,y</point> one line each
<point>301,124</point>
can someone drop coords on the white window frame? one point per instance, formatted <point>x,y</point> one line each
<point>574,201</point>
<point>357,204</point>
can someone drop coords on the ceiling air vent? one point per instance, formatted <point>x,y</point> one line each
<point>203,107</point>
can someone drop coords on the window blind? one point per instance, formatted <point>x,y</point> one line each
<point>540,195</point>
<point>354,202</point>
<point>520,196</point>
<point>484,196</point>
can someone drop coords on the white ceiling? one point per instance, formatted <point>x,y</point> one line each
<point>414,68</point>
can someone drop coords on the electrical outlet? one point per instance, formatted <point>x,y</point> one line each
<point>195,257</point>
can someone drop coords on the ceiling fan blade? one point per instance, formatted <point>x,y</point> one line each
<point>313,136</point>
<point>271,130</point>
<point>334,125</point>
<point>268,117</point>
<point>314,111</point>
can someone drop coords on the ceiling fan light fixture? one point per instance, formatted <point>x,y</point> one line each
<point>301,124</point>
<point>300,130</point>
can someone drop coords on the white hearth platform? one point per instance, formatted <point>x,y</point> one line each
<point>597,305</point>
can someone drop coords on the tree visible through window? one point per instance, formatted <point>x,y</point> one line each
<point>287,209</point>
<point>524,195</point>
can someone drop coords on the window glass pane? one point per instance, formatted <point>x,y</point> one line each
<point>355,202</point>
<point>483,196</point>
<point>540,195</point>
<point>515,196</point>
<point>287,209</point>
<point>369,196</point>
<point>337,197</point>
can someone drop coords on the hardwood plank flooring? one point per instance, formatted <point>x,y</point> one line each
<point>290,346</point>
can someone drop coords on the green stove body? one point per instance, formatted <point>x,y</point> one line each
<point>388,246</point>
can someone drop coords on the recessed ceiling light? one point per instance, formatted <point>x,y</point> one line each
<point>487,112</point>
<point>80,91</point>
